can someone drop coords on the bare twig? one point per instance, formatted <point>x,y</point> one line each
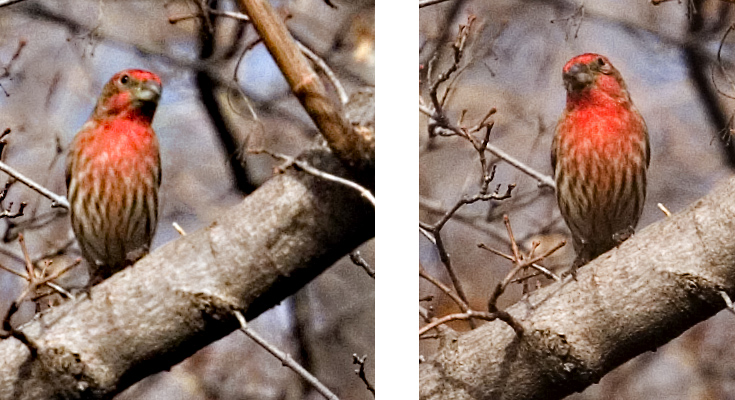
<point>347,145</point>
<point>35,281</point>
<point>313,57</point>
<point>440,124</point>
<point>520,264</point>
<point>469,315</point>
<point>9,2</point>
<point>359,261</point>
<point>56,200</point>
<point>361,371</point>
<point>444,288</point>
<point>543,180</point>
<point>318,173</point>
<point>540,268</point>
<point>663,209</point>
<point>424,3</point>
<point>284,358</point>
<point>179,229</point>
<point>728,301</point>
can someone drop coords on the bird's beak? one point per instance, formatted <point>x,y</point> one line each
<point>148,91</point>
<point>577,77</point>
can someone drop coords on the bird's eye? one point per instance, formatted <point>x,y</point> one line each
<point>124,79</point>
<point>601,62</point>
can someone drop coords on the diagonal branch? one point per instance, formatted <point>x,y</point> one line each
<point>154,314</point>
<point>356,152</point>
<point>622,304</point>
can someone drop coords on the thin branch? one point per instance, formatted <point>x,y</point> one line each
<point>359,261</point>
<point>728,302</point>
<point>471,314</point>
<point>35,281</point>
<point>352,149</point>
<point>444,288</point>
<point>322,65</point>
<point>361,371</point>
<point>56,200</point>
<point>543,270</point>
<point>9,2</point>
<point>284,358</point>
<point>520,265</point>
<point>313,57</point>
<point>318,173</point>
<point>543,179</point>
<point>424,3</point>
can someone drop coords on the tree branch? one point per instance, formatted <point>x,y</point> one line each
<point>630,300</point>
<point>353,149</point>
<point>182,296</point>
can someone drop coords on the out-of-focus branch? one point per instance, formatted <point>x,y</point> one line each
<point>284,358</point>
<point>56,200</point>
<point>356,151</point>
<point>425,3</point>
<point>9,2</point>
<point>208,89</point>
<point>622,304</point>
<point>698,67</point>
<point>313,57</point>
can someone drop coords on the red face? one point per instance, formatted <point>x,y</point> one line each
<point>591,70</point>
<point>133,92</point>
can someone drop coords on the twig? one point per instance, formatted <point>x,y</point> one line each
<point>284,358</point>
<point>520,265</point>
<point>179,228</point>
<point>728,302</point>
<point>322,65</point>
<point>543,179</point>
<point>444,288</point>
<point>487,316</point>
<point>540,268</point>
<point>9,2</point>
<point>321,174</point>
<point>361,371</point>
<point>313,57</point>
<point>424,3</point>
<point>34,282</point>
<point>56,200</point>
<point>349,147</point>
<point>359,261</point>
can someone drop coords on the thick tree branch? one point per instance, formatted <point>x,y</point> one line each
<point>356,151</point>
<point>630,300</point>
<point>181,297</point>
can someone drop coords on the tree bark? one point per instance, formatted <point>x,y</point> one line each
<point>633,299</point>
<point>178,299</point>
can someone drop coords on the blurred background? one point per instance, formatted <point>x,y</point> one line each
<point>55,56</point>
<point>667,54</point>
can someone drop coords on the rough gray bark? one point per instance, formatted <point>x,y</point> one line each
<point>178,299</point>
<point>633,299</point>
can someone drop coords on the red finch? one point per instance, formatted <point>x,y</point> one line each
<point>600,155</point>
<point>113,173</point>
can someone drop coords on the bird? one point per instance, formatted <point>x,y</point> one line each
<point>113,174</point>
<point>600,155</point>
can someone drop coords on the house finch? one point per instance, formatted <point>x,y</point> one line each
<point>113,173</point>
<point>600,155</point>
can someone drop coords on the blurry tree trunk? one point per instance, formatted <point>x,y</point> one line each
<point>180,298</point>
<point>633,299</point>
<point>209,93</point>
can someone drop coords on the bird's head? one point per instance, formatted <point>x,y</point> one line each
<point>592,74</point>
<point>132,92</point>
